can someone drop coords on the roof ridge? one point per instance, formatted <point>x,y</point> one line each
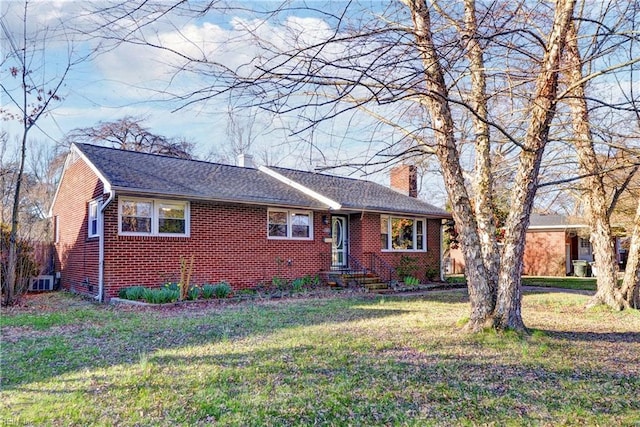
<point>160,155</point>
<point>325,174</point>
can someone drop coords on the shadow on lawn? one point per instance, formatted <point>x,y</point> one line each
<point>608,337</point>
<point>127,335</point>
<point>395,383</point>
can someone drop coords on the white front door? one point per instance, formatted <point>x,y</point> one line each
<point>339,241</point>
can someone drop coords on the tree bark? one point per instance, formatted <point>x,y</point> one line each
<point>508,307</point>
<point>481,294</point>
<point>631,281</point>
<point>594,193</point>
<point>483,181</point>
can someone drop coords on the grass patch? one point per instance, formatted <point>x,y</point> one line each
<point>577,283</point>
<point>357,360</point>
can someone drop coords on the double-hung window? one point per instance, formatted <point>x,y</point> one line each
<point>92,223</point>
<point>151,217</point>
<point>402,233</point>
<point>288,224</point>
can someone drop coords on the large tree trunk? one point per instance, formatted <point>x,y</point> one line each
<point>594,193</point>
<point>631,281</point>
<point>508,306</point>
<point>483,181</point>
<point>481,294</point>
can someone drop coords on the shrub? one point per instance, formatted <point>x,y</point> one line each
<point>407,266</point>
<point>133,293</point>
<point>431,273</point>
<point>160,296</point>
<point>193,293</point>
<point>279,283</point>
<point>172,286</point>
<point>298,284</point>
<point>207,291</point>
<point>26,266</point>
<point>411,281</point>
<point>222,290</point>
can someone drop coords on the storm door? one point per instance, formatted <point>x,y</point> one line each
<point>339,242</point>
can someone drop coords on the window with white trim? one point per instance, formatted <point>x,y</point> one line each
<point>403,234</point>
<point>92,224</point>
<point>153,217</point>
<point>288,224</point>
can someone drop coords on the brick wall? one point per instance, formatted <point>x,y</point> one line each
<point>545,253</point>
<point>76,255</point>
<point>229,242</point>
<point>404,178</point>
<point>365,239</point>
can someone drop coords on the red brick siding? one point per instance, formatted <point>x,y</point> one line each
<point>545,253</point>
<point>76,254</point>
<point>228,242</point>
<point>404,178</point>
<point>365,239</point>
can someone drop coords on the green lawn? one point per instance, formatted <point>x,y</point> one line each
<point>347,360</point>
<point>577,283</point>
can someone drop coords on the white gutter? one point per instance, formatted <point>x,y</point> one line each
<point>306,190</point>
<point>442,266</point>
<point>112,195</point>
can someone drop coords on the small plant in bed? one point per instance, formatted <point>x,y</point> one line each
<point>411,281</point>
<point>160,296</point>
<point>133,293</point>
<point>193,293</point>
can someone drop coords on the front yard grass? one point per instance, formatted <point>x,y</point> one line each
<point>347,360</point>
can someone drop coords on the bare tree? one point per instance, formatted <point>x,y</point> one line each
<point>474,85</point>
<point>129,133</point>
<point>31,89</point>
<point>412,72</point>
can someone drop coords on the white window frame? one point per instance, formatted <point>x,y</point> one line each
<point>93,217</point>
<point>290,213</point>
<point>415,220</point>
<point>155,217</point>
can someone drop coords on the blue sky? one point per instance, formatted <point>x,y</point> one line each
<point>129,80</point>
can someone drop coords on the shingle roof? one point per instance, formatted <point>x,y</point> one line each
<point>552,221</point>
<point>161,175</point>
<point>356,194</point>
<point>154,174</point>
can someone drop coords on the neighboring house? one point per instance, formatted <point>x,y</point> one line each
<point>125,218</point>
<point>553,242</point>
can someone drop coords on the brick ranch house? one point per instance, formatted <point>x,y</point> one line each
<point>553,242</point>
<point>125,218</point>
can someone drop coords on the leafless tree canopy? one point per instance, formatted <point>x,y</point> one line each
<point>129,133</point>
<point>482,86</point>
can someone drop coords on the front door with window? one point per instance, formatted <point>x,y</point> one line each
<point>339,242</point>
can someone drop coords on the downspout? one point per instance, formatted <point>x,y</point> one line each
<point>100,295</point>
<point>442,266</point>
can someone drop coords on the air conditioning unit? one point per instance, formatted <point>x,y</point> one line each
<point>41,283</point>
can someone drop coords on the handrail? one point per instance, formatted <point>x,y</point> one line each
<point>381,268</point>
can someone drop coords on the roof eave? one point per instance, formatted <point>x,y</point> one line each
<point>138,192</point>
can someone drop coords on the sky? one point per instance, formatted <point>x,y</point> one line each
<point>131,80</point>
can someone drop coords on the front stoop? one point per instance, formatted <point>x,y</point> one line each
<point>370,281</point>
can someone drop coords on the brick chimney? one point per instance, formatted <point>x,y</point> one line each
<point>404,178</point>
<point>245,161</point>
